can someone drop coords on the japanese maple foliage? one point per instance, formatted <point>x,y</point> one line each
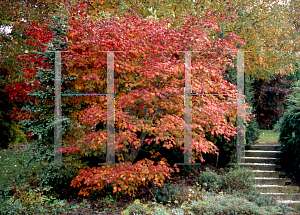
<point>149,88</point>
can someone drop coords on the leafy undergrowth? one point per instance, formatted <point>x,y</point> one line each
<point>228,193</point>
<point>199,189</point>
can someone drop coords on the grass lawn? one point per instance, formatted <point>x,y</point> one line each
<point>268,137</point>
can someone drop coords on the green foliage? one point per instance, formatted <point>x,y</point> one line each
<point>56,176</point>
<point>295,76</point>
<point>228,204</point>
<point>5,106</point>
<point>252,132</point>
<point>262,200</point>
<point>43,121</point>
<point>32,201</point>
<point>209,180</point>
<point>5,134</point>
<point>151,208</point>
<point>290,132</point>
<point>238,178</point>
<point>168,193</point>
<point>12,167</point>
<point>235,179</point>
<point>17,133</point>
<point>237,197</point>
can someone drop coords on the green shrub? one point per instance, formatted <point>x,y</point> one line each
<point>168,193</point>
<point>290,132</point>
<point>262,200</point>
<point>253,195</point>
<point>238,178</point>
<point>210,180</point>
<point>228,204</point>
<point>175,194</point>
<point>57,175</point>
<point>137,208</point>
<point>34,201</point>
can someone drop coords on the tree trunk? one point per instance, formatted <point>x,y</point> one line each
<point>135,152</point>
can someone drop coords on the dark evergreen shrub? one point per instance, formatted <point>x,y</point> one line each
<point>210,181</point>
<point>290,132</point>
<point>168,193</point>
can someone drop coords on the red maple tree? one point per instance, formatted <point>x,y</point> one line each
<point>149,93</point>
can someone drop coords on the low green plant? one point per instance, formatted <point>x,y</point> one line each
<point>54,175</point>
<point>34,201</point>
<point>167,193</point>
<point>210,180</point>
<point>138,208</point>
<point>228,204</point>
<point>175,194</point>
<point>109,202</point>
<point>238,178</point>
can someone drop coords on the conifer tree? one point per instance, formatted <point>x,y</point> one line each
<point>41,122</point>
<point>290,132</point>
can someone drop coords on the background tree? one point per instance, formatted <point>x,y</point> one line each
<point>13,17</point>
<point>270,99</point>
<point>266,26</point>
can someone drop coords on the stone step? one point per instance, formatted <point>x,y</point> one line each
<point>276,189</point>
<point>261,153</point>
<point>258,166</point>
<point>264,147</point>
<point>262,160</point>
<point>272,181</point>
<point>284,196</point>
<point>293,204</point>
<point>268,173</point>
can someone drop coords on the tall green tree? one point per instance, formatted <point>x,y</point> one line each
<point>41,121</point>
<point>290,132</point>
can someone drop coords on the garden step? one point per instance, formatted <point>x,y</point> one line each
<point>272,181</point>
<point>290,203</point>
<point>261,153</point>
<point>268,173</point>
<point>262,160</point>
<point>264,147</point>
<point>276,189</point>
<point>284,196</point>
<point>258,166</point>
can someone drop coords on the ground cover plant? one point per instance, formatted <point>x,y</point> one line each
<point>228,193</point>
<point>201,188</point>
